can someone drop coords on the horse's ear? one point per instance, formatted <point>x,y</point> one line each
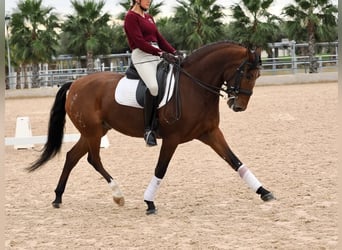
<point>255,50</point>
<point>258,51</point>
<point>255,57</point>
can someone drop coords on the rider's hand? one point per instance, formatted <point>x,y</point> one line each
<point>169,57</point>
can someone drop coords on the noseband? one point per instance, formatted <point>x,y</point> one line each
<point>235,89</point>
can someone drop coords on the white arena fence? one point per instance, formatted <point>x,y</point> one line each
<point>289,63</point>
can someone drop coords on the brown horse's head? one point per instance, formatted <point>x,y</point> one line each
<point>225,67</point>
<point>240,86</point>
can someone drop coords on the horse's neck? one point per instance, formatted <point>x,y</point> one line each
<point>213,67</point>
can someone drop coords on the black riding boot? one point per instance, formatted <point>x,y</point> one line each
<point>150,112</point>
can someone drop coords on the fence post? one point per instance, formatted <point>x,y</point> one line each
<point>274,67</point>
<point>293,57</point>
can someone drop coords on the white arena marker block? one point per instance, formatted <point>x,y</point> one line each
<point>104,142</point>
<point>23,130</point>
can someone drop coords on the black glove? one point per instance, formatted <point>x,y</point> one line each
<point>169,57</point>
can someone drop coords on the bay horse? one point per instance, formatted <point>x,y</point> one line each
<point>221,67</point>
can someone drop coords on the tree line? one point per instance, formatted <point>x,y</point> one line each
<point>36,35</point>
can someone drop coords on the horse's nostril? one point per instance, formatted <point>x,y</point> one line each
<point>238,109</point>
<point>230,103</point>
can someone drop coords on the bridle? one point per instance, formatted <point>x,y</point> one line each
<point>232,86</point>
<point>231,89</point>
<point>235,88</point>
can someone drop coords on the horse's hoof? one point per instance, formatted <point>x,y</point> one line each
<point>119,200</point>
<point>56,204</point>
<point>268,197</point>
<point>151,211</point>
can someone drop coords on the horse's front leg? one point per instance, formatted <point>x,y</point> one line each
<point>167,150</point>
<point>215,140</point>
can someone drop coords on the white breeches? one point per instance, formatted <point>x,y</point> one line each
<point>146,65</point>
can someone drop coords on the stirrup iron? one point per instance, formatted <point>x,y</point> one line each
<point>150,138</point>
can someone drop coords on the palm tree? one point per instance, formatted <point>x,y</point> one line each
<point>17,65</point>
<point>154,9</point>
<point>315,19</point>
<point>199,22</point>
<point>253,24</point>
<point>167,27</point>
<point>34,36</point>
<point>126,4</point>
<point>119,41</point>
<point>88,30</point>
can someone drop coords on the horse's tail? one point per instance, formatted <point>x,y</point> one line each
<point>55,129</point>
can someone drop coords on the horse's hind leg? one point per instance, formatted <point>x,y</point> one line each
<point>215,139</point>
<point>95,161</point>
<point>72,157</point>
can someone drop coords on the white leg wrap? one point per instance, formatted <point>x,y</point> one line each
<point>249,178</point>
<point>116,190</point>
<point>152,188</point>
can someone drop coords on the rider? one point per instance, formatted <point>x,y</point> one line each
<point>148,46</point>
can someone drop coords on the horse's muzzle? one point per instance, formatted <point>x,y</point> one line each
<point>234,105</point>
<point>238,109</point>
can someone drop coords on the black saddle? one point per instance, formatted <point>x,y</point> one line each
<point>162,72</point>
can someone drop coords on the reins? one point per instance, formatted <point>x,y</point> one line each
<point>154,60</point>
<point>212,89</point>
<point>227,88</point>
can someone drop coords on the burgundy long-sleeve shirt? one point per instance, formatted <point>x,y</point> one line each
<point>141,31</point>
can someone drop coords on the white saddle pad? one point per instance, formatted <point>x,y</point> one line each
<point>125,93</point>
